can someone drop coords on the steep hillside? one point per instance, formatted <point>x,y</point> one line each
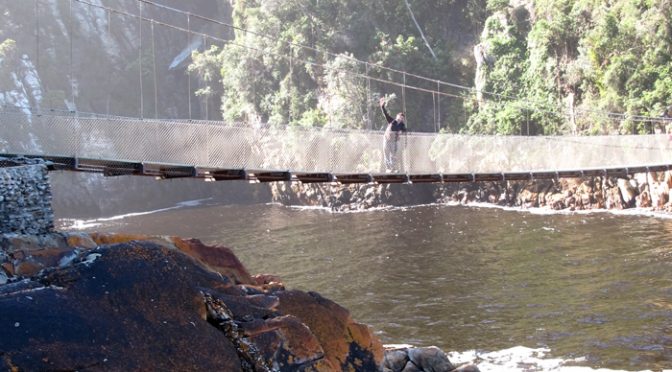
<point>78,55</point>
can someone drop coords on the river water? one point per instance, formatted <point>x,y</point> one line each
<point>591,290</point>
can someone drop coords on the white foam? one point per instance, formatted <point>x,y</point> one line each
<point>520,359</point>
<point>76,224</point>
<point>636,212</point>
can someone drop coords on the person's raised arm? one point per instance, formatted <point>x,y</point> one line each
<point>387,115</point>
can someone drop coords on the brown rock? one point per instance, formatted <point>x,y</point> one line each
<point>146,305</point>
<point>105,239</point>
<point>219,259</point>
<point>8,267</point>
<point>50,257</point>
<point>292,338</point>
<point>28,268</point>
<point>80,241</point>
<point>346,344</point>
<point>261,279</point>
<point>644,200</point>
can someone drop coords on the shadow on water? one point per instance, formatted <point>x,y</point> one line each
<point>597,286</point>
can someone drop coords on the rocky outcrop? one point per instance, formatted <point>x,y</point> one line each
<point>352,197</point>
<point>25,197</point>
<point>641,190</point>
<point>119,302</point>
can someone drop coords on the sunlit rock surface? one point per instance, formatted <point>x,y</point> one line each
<point>119,302</point>
<point>640,190</point>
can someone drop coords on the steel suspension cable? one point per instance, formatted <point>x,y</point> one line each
<point>188,73</point>
<point>637,118</point>
<point>156,89</point>
<point>229,42</point>
<point>434,110</point>
<point>403,95</point>
<point>369,124</point>
<point>317,50</point>
<point>438,101</point>
<point>37,35</point>
<point>461,87</point>
<point>207,95</point>
<point>142,102</point>
<point>72,71</point>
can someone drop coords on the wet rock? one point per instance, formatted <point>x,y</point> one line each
<point>427,359</point>
<point>347,345</point>
<point>165,304</point>
<point>219,259</point>
<point>395,360</point>
<point>563,194</point>
<point>430,359</point>
<point>467,368</point>
<point>629,190</point>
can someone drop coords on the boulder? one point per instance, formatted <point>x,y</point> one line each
<point>164,303</point>
<point>420,359</point>
<point>347,344</point>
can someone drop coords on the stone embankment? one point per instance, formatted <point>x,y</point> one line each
<point>25,197</point>
<point>643,190</point>
<point>118,302</point>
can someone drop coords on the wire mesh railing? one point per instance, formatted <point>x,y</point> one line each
<point>217,145</point>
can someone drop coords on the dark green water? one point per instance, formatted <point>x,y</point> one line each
<point>597,286</point>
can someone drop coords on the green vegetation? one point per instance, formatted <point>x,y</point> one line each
<point>548,66</point>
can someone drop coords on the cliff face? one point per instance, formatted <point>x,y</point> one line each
<point>71,55</point>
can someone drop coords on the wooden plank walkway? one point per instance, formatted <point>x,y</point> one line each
<point>111,168</point>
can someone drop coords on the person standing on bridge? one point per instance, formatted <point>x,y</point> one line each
<point>667,119</point>
<point>395,126</point>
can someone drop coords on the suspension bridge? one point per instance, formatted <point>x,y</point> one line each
<point>217,151</point>
<point>256,152</point>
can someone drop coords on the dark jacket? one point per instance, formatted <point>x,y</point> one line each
<point>393,126</point>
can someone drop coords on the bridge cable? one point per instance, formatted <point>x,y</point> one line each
<point>610,114</point>
<point>109,76</point>
<point>457,86</point>
<point>142,98</point>
<point>72,71</point>
<point>317,50</point>
<point>189,73</point>
<point>37,35</point>
<point>207,96</point>
<point>289,84</point>
<point>438,101</point>
<point>403,95</point>
<point>434,110</point>
<point>369,124</point>
<point>156,88</point>
<point>453,85</point>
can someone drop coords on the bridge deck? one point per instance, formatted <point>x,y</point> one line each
<point>111,168</point>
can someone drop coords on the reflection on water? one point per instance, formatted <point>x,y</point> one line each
<point>595,287</point>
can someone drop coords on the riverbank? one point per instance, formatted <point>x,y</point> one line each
<point>644,191</point>
<point>75,301</point>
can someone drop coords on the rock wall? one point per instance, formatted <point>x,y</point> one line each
<point>25,199</point>
<point>641,190</point>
